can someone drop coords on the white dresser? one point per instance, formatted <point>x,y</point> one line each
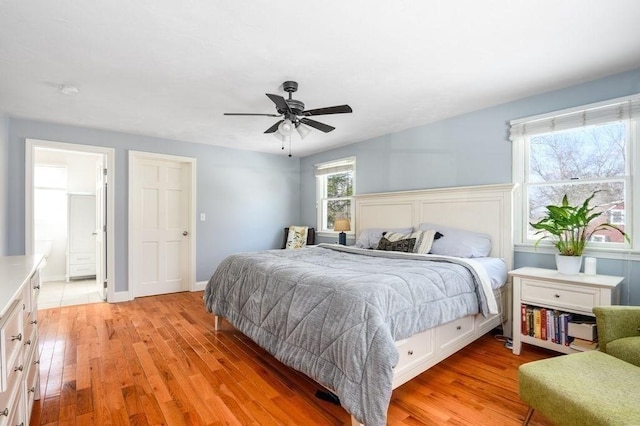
<point>19,354</point>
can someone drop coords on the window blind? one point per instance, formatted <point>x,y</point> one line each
<point>332,167</point>
<point>603,112</point>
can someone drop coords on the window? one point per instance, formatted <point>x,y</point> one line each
<point>334,193</point>
<point>577,152</point>
<point>616,216</point>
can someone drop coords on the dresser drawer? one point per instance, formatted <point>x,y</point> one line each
<point>81,258</point>
<point>15,375</point>
<point>82,270</point>
<point>32,371</point>
<point>15,412</point>
<point>10,341</point>
<point>450,333</point>
<point>35,290</point>
<point>558,295</point>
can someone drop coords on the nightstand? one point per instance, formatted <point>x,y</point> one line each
<point>549,291</point>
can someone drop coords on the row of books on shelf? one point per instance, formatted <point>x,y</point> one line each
<point>562,328</point>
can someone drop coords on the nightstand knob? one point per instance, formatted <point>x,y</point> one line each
<point>4,412</point>
<point>410,352</point>
<point>459,327</point>
<point>557,296</point>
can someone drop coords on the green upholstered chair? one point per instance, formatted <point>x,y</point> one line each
<point>619,332</point>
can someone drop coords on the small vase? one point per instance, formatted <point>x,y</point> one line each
<point>568,265</point>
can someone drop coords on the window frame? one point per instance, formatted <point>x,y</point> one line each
<point>520,164</point>
<point>341,165</point>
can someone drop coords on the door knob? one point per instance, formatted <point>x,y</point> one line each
<point>185,233</point>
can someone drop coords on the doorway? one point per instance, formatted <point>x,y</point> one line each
<point>67,206</point>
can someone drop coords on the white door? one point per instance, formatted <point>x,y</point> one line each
<point>160,210</point>
<point>101,229</point>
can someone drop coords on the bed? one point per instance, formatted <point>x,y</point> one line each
<point>363,322</point>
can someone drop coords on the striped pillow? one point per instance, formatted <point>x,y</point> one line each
<point>424,239</point>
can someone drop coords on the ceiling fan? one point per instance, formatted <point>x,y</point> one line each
<point>294,116</point>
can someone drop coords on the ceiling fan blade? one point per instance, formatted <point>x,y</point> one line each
<point>339,109</point>
<point>281,104</point>
<point>317,125</point>
<point>250,113</point>
<point>273,128</point>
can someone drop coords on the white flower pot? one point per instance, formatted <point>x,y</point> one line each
<point>568,265</point>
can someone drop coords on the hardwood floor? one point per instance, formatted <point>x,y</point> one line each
<point>157,360</point>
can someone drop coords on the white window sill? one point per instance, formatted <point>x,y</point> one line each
<point>604,253</point>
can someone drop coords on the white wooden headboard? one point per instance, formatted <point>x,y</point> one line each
<point>485,208</point>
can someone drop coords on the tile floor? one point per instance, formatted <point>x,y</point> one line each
<point>54,294</point>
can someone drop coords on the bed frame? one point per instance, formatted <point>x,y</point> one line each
<point>486,209</point>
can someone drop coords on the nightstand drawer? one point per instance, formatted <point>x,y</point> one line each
<point>568,296</point>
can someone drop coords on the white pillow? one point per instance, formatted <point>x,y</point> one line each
<point>424,239</point>
<point>458,242</point>
<point>370,237</point>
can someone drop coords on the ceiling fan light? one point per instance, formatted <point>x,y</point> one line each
<point>279,136</point>
<point>286,127</point>
<point>303,130</point>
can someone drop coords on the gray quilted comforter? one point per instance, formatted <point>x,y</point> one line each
<point>334,312</point>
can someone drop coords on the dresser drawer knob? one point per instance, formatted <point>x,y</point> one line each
<point>4,412</point>
<point>34,322</point>
<point>36,287</point>
<point>28,342</point>
<point>459,327</point>
<point>409,352</point>
<point>36,362</point>
<point>18,337</point>
<point>19,368</point>
<point>557,296</point>
<point>32,390</point>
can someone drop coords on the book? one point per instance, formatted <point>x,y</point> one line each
<point>583,345</point>
<point>543,324</point>
<point>530,321</point>
<point>551,331</point>
<point>523,319</point>
<point>537,324</point>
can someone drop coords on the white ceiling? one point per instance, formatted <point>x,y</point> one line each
<point>171,68</point>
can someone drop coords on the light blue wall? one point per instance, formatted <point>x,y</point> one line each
<point>248,197</point>
<point>4,178</point>
<point>470,149</point>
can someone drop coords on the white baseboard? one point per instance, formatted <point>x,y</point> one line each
<point>121,296</point>
<point>200,285</point>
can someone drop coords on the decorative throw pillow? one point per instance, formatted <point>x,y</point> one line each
<point>368,238</point>
<point>423,238</point>
<point>297,237</point>
<point>405,245</point>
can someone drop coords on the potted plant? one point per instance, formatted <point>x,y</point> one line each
<point>571,228</point>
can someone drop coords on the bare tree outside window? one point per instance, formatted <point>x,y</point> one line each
<point>578,162</point>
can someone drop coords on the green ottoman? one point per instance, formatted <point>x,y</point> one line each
<point>587,388</point>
